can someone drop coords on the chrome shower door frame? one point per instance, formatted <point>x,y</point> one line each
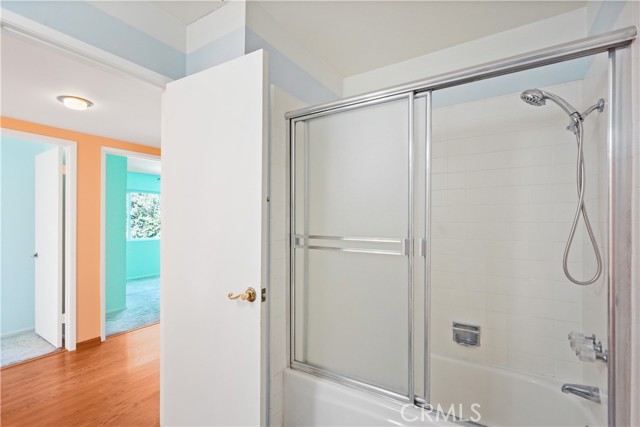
<point>619,225</point>
<point>407,245</point>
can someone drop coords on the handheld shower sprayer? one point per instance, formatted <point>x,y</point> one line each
<point>537,97</point>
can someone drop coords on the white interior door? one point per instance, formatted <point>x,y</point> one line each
<point>213,129</point>
<point>48,246</point>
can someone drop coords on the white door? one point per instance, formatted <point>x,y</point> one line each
<point>48,246</point>
<point>213,129</point>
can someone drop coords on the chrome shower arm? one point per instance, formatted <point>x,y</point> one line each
<point>597,106</point>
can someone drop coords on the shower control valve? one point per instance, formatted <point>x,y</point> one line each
<point>587,348</point>
<point>574,334</point>
<point>577,338</point>
<point>588,353</point>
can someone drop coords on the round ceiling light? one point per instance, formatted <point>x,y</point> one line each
<point>75,102</point>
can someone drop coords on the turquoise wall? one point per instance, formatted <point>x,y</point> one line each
<point>143,258</point>
<point>143,182</point>
<point>115,232</point>
<point>17,228</point>
<point>143,255</point>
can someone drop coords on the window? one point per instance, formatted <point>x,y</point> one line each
<point>143,215</point>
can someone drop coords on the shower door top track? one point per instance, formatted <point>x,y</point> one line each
<point>537,58</point>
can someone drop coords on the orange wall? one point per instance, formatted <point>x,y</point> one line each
<point>88,216</point>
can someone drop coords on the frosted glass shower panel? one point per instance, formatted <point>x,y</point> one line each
<point>353,169</point>
<point>352,315</point>
<point>351,264</point>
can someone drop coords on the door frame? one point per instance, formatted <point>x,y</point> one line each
<point>70,235</point>
<point>103,181</point>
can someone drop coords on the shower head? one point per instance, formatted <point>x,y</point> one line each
<point>533,97</point>
<point>539,97</point>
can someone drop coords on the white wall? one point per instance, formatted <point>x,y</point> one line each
<point>148,18</point>
<point>265,26</point>
<point>281,102</point>
<point>216,38</point>
<point>559,29</point>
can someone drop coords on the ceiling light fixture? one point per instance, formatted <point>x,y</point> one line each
<point>75,102</point>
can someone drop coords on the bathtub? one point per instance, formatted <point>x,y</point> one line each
<point>313,401</point>
<point>510,398</point>
<point>505,398</point>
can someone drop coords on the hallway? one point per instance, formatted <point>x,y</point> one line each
<point>115,383</point>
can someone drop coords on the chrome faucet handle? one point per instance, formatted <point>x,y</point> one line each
<point>586,353</point>
<point>573,335</point>
<point>579,342</point>
<point>589,352</point>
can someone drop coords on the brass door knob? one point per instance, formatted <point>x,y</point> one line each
<point>248,295</point>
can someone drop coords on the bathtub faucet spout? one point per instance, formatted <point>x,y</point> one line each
<point>585,391</point>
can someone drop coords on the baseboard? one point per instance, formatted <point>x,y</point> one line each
<point>12,333</point>
<point>151,276</point>
<point>115,310</point>
<point>89,343</point>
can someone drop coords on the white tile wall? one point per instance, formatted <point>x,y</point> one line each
<point>594,314</point>
<point>503,202</point>
<point>281,102</point>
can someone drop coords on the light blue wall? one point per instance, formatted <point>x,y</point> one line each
<point>549,75</point>
<point>17,192</point>
<point>224,49</point>
<point>91,25</point>
<point>285,73</point>
<point>115,232</point>
<point>143,255</point>
<point>607,16</point>
<point>85,22</point>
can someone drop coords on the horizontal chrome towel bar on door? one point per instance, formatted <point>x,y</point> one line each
<point>299,243</point>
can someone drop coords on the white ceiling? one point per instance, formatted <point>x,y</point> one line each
<point>188,11</point>
<point>33,75</point>
<point>358,36</point>
<point>352,36</point>
<point>136,164</point>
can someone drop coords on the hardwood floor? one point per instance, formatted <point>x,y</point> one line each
<point>115,383</point>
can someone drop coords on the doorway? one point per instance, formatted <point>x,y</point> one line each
<point>131,241</point>
<point>38,245</point>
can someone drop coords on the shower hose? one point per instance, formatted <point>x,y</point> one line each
<point>581,210</point>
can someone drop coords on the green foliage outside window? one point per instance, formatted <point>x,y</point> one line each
<point>144,216</point>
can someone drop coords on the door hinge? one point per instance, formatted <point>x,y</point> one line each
<point>63,169</point>
<point>263,294</point>
<point>64,318</point>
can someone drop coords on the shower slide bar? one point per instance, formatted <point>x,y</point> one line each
<point>299,240</point>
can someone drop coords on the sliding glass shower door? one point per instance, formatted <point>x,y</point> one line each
<point>351,263</point>
<point>429,260</point>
